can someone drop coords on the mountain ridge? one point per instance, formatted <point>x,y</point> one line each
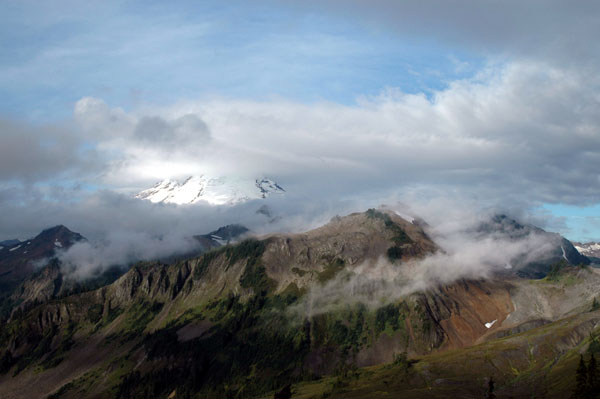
<point>231,323</point>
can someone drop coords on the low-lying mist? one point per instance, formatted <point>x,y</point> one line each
<point>87,259</point>
<point>122,230</point>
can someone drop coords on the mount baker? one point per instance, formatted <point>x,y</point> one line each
<point>215,191</point>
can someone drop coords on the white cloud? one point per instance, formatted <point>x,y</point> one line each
<point>516,130</point>
<point>518,134</point>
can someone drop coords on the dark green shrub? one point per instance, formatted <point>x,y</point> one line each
<point>394,253</point>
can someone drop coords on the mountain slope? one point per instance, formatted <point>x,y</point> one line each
<point>225,287</point>
<point>539,363</point>
<point>214,191</point>
<point>246,319</point>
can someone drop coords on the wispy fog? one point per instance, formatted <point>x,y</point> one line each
<point>466,252</point>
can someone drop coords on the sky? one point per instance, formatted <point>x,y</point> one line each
<point>347,105</point>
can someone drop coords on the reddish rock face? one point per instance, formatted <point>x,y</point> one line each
<point>472,310</point>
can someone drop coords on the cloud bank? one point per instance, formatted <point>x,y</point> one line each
<point>517,134</point>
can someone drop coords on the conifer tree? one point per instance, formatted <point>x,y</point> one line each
<point>581,377</point>
<point>490,392</point>
<point>592,380</point>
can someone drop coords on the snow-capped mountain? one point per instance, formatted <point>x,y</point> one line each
<point>588,248</point>
<point>215,191</point>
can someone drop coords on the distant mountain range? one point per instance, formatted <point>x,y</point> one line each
<point>502,226</point>
<point>588,248</point>
<point>222,236</point>
<point>214,191</point>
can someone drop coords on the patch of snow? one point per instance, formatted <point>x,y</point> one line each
<point>58,244</point>
<point>218,239</point>
<point>508,266</point>
<point>405,217</point>
<point>564,254</point>
<point>490,324</point>
<point>1,248</point>
<point>28,242</point>
<point>15,248</point>
<point>25,252</point>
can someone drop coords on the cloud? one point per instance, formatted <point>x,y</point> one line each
<point>155,131</point>
<point>33,153</point>
<point>121,229</point>
<point>96,119</point>
<point>517,130</point>
<point>122,248</point>
<point>552,31</point>
<point>517,134</point>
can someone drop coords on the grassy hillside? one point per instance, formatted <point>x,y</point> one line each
<point>540,363</point>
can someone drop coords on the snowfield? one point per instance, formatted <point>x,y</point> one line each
<point>215,191</point>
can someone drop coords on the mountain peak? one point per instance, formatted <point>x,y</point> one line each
<point>18,260</point>
<point>59,232</point>
<point>214,191</point>
<point>55,229</point>
<point>558,248</point>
